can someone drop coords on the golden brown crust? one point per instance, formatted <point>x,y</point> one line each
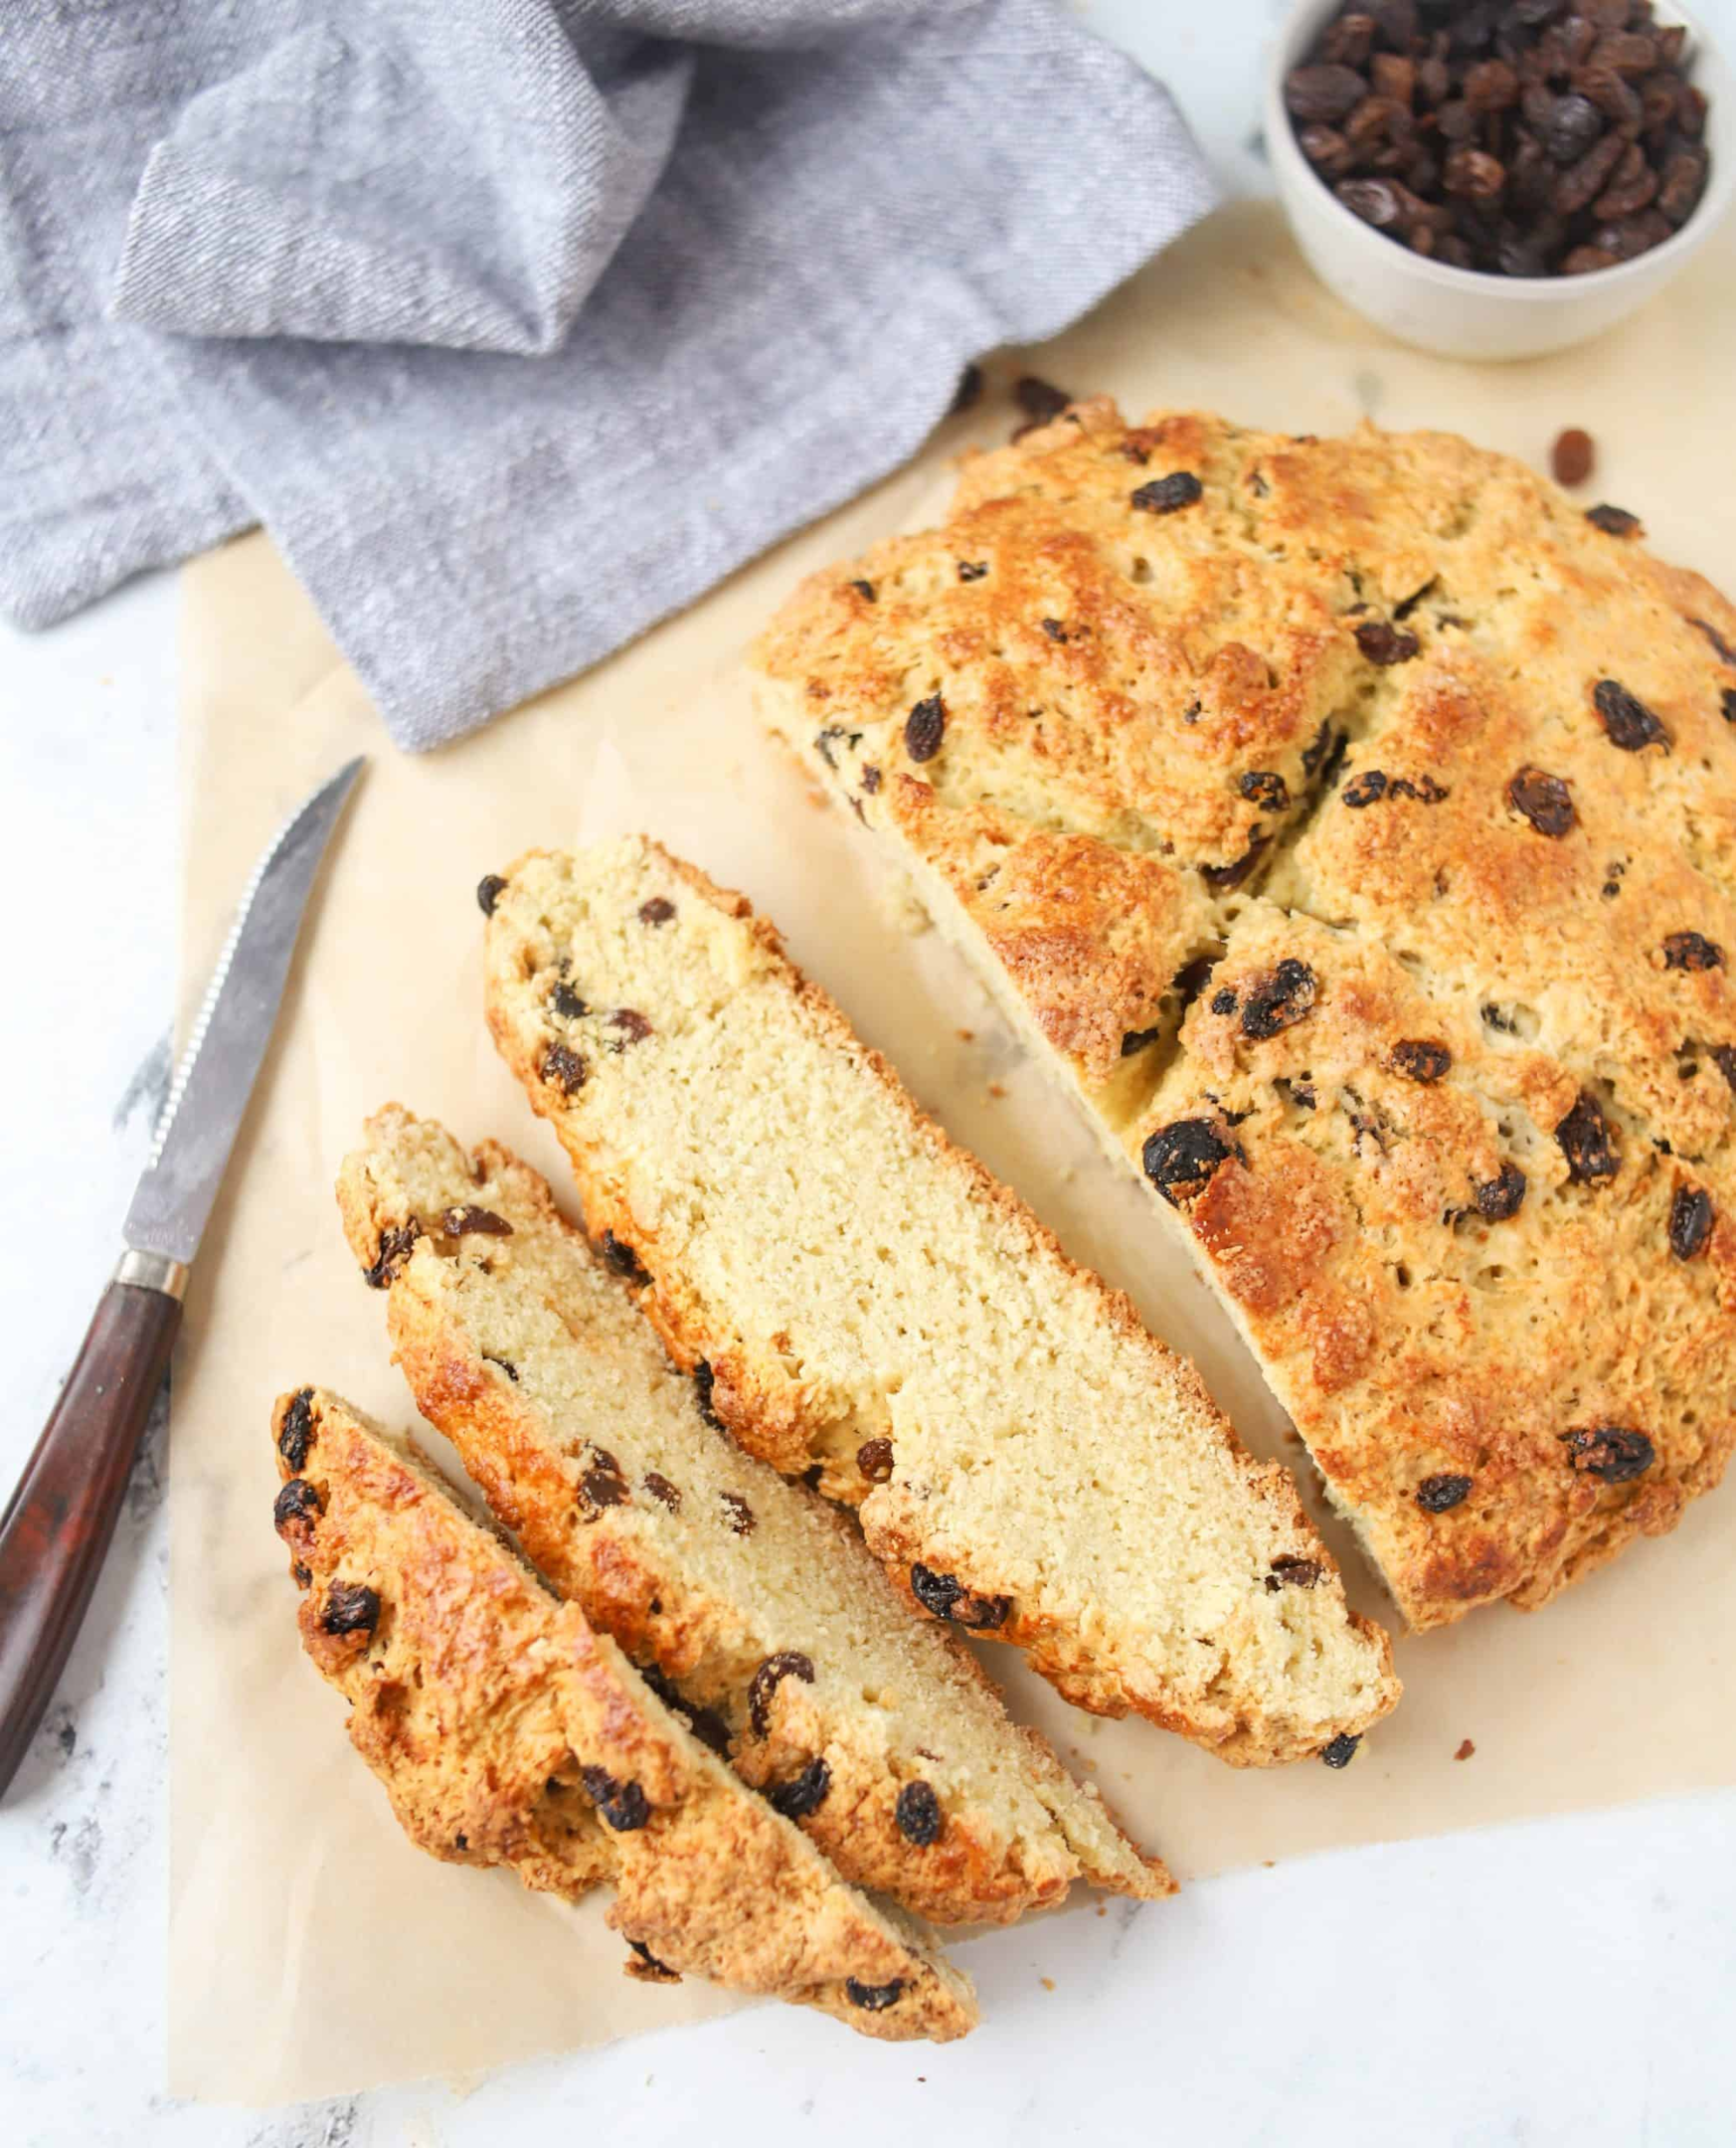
<point>529,1357</point>
<point>789,1404</point>
<point>1391,708</point>
<point>505,1732</point>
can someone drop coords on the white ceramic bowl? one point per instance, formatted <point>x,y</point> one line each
<point>1459,312</point>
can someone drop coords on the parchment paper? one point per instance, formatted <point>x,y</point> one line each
<point>312,1951</point>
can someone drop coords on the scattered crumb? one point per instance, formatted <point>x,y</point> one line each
<point>1103,1908</point>
<point>1465,1752</point>
<point>817,799</point>
<point>1048,1983</point>
<point>996,1090</point>
<point>1573,457</point>
<point>967,1036</point>
<point>1269,1862</point>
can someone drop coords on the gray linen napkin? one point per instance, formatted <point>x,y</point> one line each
<point>519,323</point>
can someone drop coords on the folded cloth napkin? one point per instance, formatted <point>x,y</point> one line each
<point>518,323</point>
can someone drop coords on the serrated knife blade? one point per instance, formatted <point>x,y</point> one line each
<point>57,1525</point>
<point>215,1078</point>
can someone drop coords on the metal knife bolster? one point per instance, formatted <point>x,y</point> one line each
<point>152,1271</point>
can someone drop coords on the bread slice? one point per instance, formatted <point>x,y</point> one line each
<point>1349,824</point>
<point>505,1732</point>
<point>753,1600</point>
<point>855,1293</point>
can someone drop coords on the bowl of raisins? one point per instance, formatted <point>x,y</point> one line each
<point>1499,178</point>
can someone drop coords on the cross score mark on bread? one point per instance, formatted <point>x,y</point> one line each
<point>785,1644</point>
<point>855,1293</point>
<point>505,1732</point>
<point>1358,836</point>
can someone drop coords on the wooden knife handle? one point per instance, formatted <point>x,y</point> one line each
<point>57,1527</point>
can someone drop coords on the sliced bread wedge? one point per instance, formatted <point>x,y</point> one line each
<point>853,1292</point>
<point>753,1602</point>
<point>505,1732</point>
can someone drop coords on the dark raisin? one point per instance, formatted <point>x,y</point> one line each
<point>1364,789</point>
<point>1288,1571</point>
<point>814,1475</point>
<point>1325,91</point>
<point>1691,950</point>
<point>1376,201</point>
<point>1055,630</point>
<point>620,1259</point>
<point>1613,521</point>
<point>474,1222</point>
<point>1630,725</point>
<point>704,1380</point>
<point>791,1663</point>
<point>602,1483</point>
<point>1265,788</point>
<point>296,1434</point>
<point>460,1841</point>
<point>982,1614</point>
<point>1611,1453</point>
<point>1280,1001</point>
<point>488,892</point>
<point>920,1818</point>
<point>936,1592</point>
<point>1685,179</point>
<point>924,728</point>
<point>302,1575</point>
<point>1724,1060</point>
<point>1691,1221</point>
<point>296,1504</point>
<point>396,1244</point>
<point>802,1794</point>
<point>657,910</point>
<point>1039,399</point>
<point>972,570</point>
<point>1544,799</point>
<point>566,1003</point>
<point>662,1491</point>
<point>826,739</point>
<point>1587,1142</point>
<point>505,1364</point>
<point>1499,1198</point>
<point>350,1607</point>
<point>738,1512</point>
<point>1221,877</point>
<point>1439,1495</point>
<point>873,1998</point>
<point>968,390</point>
<point>649,1969</point>
<point>1165,495</point>
<point>1224,1003</point>
<point>1136,1041</point>
<point>1318,750</point>
<point>1421,1059</point>
<point>874,1460</point>
<point>623,1805</point>
<point>1179,1158</point>
<point>564,1069</point>
<point>864,589</point>
<point>1725,653</point>
<point>1384,644</point>
<point>630,1025</point>
<point>1342,1749</point>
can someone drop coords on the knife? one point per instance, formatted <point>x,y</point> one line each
<point>58,1523</point>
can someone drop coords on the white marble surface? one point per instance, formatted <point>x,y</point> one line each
<point>1564,1982</point>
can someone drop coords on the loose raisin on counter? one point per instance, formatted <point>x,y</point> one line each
<point>1342,1749</point>
<point>1439,1495</point>
<point>924,727</point>
<point>1544,799</point>
<point>1179,1158</point>
<point>920,1818</point>
<point>1613,1454</point>
<point>1691,1221</point>
<point>1573,456</point>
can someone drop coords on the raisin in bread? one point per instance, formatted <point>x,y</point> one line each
<point>505,1732</point>
<point>854,1292</point>
<point>1353,824</point>
<point>774,1627</point>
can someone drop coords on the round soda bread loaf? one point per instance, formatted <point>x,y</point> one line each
<point>505,1732</point>
<point>752,1601</point>
<point>853,1292</point>
<point>1353,824</point>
